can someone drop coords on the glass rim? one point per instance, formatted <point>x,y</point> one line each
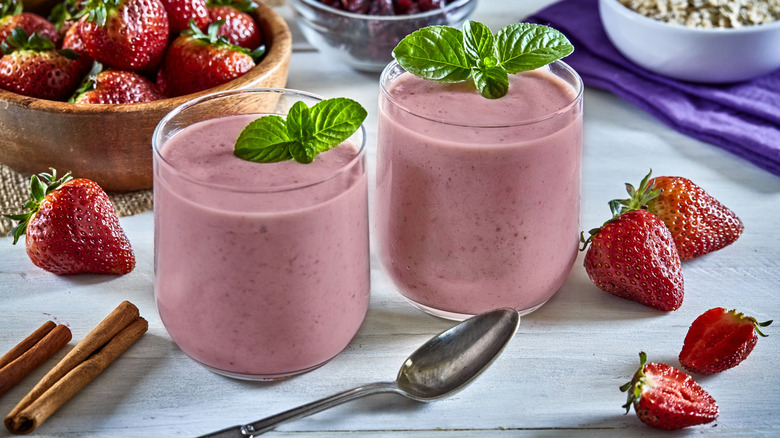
<point>242,189</point>
<point>579,88</point>
<point>325,8</point>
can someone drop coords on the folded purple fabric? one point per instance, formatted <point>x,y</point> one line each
<point>742,118</point>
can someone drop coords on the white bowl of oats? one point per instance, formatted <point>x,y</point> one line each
<point>707,41</point>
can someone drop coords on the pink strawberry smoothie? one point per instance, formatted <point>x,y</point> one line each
<point>477,200</point>
<point>261,269</point>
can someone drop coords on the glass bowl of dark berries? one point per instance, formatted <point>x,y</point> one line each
<point>363,33</point>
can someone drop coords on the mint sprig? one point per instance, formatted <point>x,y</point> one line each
<point>303,134</point>
<point>445,54</point>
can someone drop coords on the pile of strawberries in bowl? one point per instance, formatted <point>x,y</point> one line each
<point>111,143</point>
<point>126,51</point>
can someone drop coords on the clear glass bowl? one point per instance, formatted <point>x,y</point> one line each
<point>366,42</point>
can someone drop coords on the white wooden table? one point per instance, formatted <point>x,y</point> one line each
<point>558,377</point>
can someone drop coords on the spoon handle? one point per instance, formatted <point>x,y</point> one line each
<point>269,423</point>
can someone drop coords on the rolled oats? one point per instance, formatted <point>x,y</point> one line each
<point>708,13</point>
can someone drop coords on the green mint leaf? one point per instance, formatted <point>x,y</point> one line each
<point>303,134</point>
<point>444,54</point>
<point>526,46</point>
<point>435,53</point>
<point>478,41</point>
<point>335,120</point>
<point>492,82</point>
<point>264,140</point>
<point>299,121</point>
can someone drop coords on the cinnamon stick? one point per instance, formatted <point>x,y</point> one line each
<point>29,354</point>
<point>118,331</point>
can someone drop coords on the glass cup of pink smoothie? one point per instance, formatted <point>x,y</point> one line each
<point>478,200</point>
<point>261,269</point>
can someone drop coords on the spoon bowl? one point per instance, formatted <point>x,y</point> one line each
<point>442,366</point>
<point>452,359</point>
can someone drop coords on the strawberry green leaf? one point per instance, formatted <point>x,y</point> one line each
<point>40,186</point>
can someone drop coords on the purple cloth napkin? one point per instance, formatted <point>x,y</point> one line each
<point>742,118</point>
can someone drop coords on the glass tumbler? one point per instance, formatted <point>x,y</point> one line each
<point>261,270</point>
<point>478,200</point>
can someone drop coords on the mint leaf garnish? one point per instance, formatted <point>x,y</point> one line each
<point>444,54</point>
<point>303,134</point>
<point>526,46</point>
<point>436,54</point>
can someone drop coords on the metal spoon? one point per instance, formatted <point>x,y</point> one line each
<point>440,367</point>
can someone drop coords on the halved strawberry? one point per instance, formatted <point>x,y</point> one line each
<point>718,340</point>
<point>666,398</point>
<point>71,228</point>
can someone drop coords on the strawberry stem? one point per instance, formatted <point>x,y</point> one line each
<point>638,199</point>
<point>41,185</point>
<point>634,387</point>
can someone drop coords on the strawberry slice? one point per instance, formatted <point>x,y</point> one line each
<point>71,228</point>
<point>718,340</point>
<point>666,398</point>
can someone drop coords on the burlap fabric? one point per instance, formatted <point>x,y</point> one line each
<point>15,190</point>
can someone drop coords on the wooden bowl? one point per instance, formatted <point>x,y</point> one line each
<point>112,144</point>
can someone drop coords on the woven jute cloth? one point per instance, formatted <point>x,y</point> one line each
<point>15,191</point>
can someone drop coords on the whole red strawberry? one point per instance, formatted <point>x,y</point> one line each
<point>11,17</point>
<point>196,61</point>
<point>71,228</point>
<point>633,256</point>
<point>73,41</point>
<point>718,340</point>
<point>180,12</point>
<point>666,398</point>
<point>31,66</point>
<point>699,223</point>
<point>240,27</point>
<point>126,34</point>
<point>115,87</point>
<point>64,14</point>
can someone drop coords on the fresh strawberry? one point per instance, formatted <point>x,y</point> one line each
<point>71,228</point>
<point>666,398</point>
<point>64,14</point>
<point>11,17</point>
<point>633,256</point>
<point>718,340</point>
<point>33,67</point>
<point>699,223</point>
<point>240,27</point>
<point>73,41</point>
<point>115,87</point>
<point>196,61</point>
<point>126,34</point>
<point>180,12</point>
